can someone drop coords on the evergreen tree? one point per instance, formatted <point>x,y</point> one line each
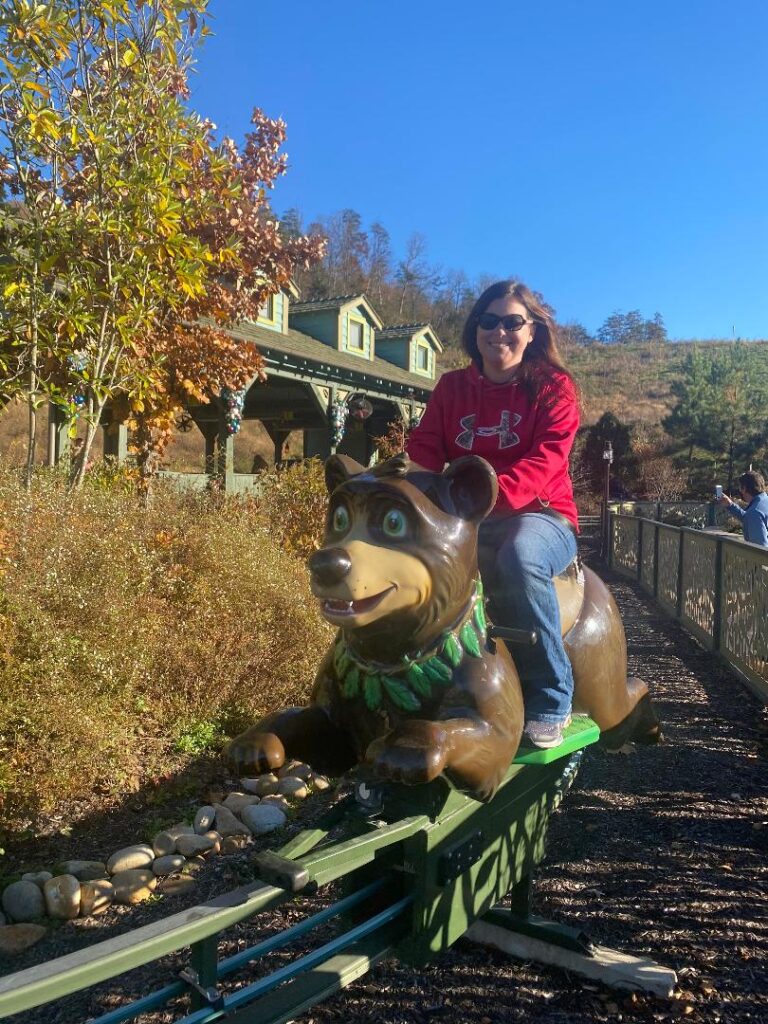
<point>607,428</point>
<point>655,330</point>
<point>722,403</point>
<point>612,330</point>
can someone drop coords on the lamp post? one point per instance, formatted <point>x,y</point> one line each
<point>608,459</point>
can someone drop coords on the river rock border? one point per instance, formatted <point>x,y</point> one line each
<point>167,866</point>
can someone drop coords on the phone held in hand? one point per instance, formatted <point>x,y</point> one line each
<point>718,491</point>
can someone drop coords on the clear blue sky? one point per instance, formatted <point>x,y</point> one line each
<point>611,154</point>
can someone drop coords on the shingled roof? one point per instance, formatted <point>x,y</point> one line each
<point>400,330</point>
<point>407,331</point>
<point>333,302</point>
<point>302,347</point>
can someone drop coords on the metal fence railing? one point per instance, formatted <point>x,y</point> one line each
<point>696,514</point>
<point>716,586</point>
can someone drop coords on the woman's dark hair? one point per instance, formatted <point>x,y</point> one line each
<point>753,483</point>
<point>541,356</point>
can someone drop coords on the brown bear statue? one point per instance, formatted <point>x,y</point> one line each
<point>413,686</point>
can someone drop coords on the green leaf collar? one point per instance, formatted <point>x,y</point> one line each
<point>410,682</point>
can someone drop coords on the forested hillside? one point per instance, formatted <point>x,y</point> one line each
<point>677,412</point>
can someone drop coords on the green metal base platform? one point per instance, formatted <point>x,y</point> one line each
<point>580,733</point>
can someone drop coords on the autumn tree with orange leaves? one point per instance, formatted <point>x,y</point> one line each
<point>132,237</point>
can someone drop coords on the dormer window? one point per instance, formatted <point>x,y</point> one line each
<point>356,335</point>
<point>267,309</point>
<point>422,358</point>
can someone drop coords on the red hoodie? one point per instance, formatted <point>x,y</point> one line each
<point>527,442</point>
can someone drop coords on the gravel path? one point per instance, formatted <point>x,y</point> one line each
<point>661,852</point>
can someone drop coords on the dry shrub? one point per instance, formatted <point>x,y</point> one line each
<point>128,633</point>
<point>294,501</point>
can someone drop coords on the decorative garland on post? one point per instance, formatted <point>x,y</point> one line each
<point>411,681</point>
<point>233,409</point>
<point>339,412</point>
<point>77,361</point>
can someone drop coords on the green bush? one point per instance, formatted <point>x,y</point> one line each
<point>134,637</point>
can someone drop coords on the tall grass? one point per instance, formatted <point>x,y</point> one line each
<point>130,636</point>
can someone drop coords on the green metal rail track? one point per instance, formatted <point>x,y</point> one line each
<point>432,859</point>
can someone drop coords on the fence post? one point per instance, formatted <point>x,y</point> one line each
<point>204,962</point>
<point>640,526</point>
<point>656,532</point>
<point>717,617</point>
<point>680,564</point>
<point>611,525</point>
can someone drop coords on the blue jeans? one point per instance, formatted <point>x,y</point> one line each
<point>519,556</point>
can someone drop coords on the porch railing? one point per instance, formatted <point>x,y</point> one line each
<point>716,586</point>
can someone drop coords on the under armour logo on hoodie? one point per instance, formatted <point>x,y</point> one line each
<point>507,437</point>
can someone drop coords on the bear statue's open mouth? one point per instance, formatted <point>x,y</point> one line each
<point>336,608</point>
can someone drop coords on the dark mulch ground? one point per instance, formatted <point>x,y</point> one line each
<point>661,852</point>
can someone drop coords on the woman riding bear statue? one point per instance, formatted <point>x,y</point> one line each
<point>413,686</point>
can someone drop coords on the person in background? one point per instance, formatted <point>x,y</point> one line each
<point>754,518</point>
<point>516,406</point>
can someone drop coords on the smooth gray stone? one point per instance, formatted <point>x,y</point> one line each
<point>84,870</point>
<point>23,902</point>
<point>227,824</point>
<point>263,818</point>
<point>191,846</point>
<point>261,786</point>
<point>204,819</point>
<point>235,802</point>
<point>292,786</point>
<point>164,844</point>
<point>131,858</point>
<point>168,865</point>
<point>38,877</point>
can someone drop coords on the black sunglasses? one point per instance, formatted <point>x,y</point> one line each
<point>513,322</point>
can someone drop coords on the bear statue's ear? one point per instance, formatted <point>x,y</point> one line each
<point>338,469</point>
<point>474,487</point>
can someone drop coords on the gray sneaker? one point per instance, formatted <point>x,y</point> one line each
<point>545,735</point>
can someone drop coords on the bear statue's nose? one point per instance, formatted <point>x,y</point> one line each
<point>330,565</point>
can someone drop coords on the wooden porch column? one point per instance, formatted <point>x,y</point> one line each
<point>278,438</point>
<point>225,455</point>
<point>58,435</point>
<point>115,441</point>
<point>209,430</point>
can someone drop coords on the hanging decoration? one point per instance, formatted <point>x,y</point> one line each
<point>359,407</point>
<point>77,361</point>
<point>233,409</point>
<point>339,413</point>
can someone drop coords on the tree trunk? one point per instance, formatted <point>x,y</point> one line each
<point>33,379</point>
<point>32,417</point>
<point>80,460</point>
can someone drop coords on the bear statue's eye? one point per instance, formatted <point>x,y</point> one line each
<point>340,519</point>
<point>394,523</point>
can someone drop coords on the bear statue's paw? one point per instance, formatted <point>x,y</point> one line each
<point>415,753</point>
<point>255,752</point>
